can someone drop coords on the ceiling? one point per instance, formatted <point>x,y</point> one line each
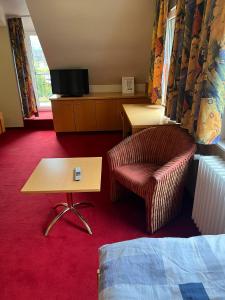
<point>111,38</point>
<point>14,7</point>
<point>18,8</point>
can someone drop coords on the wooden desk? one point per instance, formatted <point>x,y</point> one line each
<point>137,117</point>
<point>55,175</point>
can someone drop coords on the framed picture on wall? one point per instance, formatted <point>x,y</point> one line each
<point>128,85</point>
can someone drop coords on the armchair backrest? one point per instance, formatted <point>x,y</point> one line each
<point>162,143</point>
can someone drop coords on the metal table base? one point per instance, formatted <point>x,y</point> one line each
<point>70,206</point>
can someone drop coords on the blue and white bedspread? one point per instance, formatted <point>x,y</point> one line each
<point>163,268</point>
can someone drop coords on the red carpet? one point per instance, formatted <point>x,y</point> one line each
<point>63,265</point>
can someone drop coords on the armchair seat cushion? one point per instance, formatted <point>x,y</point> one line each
<point>135,176</point>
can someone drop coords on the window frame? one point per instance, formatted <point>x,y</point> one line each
<point>171,16</point>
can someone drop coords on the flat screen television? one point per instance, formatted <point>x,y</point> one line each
<point>70,82</point>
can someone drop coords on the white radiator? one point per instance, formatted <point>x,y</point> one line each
<point>209,202</point>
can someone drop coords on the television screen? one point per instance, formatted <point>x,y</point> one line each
<point>70,82</point>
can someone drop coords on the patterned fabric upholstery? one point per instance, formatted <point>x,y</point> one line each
<point>152,164</point>
<point>135,176</point>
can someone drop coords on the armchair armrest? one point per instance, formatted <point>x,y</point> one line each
<point>164,191</point>
<point>174,165</point>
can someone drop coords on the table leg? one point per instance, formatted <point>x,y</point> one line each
<point>70,206</point>
<point>55,220</point>
<point>69,197</point>
<point>126,126</point>
<point>61,204</point>
<point>76,212</point>
<point>83,204</point>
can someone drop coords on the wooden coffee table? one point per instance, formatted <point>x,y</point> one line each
<point>55,175</point>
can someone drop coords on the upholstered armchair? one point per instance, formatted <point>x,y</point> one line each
<point>153,164</point>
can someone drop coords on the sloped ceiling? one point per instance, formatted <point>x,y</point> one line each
<point>16,8</point>
<point>109,37</point>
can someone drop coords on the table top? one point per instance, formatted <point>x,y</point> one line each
<point>55,175</point>
<point>142,115</point>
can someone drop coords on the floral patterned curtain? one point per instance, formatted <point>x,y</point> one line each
<point>157,52</point>
<point>196,87</point>
<point>16,33</point>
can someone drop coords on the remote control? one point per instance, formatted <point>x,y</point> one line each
<point>77,174</point>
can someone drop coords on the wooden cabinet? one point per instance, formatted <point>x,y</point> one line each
<point>63,116</point>
<point>95,112</point>
<point>84,114</point>
<point>106,115</point>
<point>2,125</point>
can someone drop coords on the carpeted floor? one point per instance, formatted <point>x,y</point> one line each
<point>63,265</point>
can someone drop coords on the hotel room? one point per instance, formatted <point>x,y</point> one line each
<point>112,149</point>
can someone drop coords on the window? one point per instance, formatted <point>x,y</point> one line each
<point>170,26</point>
<point>39,71</point>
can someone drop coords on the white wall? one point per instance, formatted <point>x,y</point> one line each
<point>2,17</point>
<point>109,37</point>
<point>10,104</point>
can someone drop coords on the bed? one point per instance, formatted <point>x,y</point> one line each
<point>163,268</point>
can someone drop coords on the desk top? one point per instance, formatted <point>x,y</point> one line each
<point>142,115</point>
<point>55,175</point>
